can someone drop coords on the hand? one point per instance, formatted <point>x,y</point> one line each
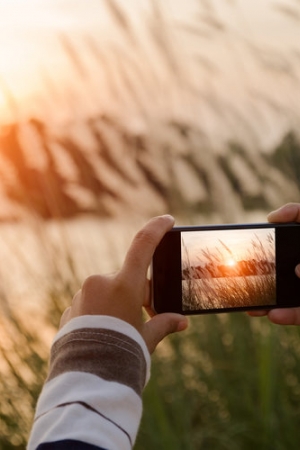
<point>124,293</point>
<point>283,316</point>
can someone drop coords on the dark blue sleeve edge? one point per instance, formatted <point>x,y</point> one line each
<point>68,444</point>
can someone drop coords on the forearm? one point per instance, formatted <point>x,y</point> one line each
<point>99,366</point>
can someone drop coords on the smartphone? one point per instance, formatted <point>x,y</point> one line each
<point>224,268</point>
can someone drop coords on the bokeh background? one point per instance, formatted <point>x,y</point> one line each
<point>113,111</point>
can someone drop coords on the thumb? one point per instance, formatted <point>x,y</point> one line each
<point>161,326</point>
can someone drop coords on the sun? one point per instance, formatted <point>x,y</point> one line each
<point>231,262</point>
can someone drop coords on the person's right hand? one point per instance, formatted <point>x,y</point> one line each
<point>283,316</point>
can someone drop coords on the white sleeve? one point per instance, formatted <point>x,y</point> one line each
<point>99,366</point>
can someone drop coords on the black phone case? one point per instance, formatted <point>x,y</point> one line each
<point>168,274</point>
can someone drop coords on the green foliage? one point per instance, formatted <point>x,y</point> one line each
<point>25,340</point>
<point>23,369</point>
<point>230,382</point>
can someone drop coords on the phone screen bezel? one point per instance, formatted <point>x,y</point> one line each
<point>167,277</point>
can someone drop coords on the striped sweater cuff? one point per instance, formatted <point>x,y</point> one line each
<point>98,368</point>
<point>109,323</point>
<point>106,327</point>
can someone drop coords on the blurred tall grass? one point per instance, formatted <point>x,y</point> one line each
<point>149,130</point>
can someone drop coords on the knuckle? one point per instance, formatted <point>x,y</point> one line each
<point>94,284</point>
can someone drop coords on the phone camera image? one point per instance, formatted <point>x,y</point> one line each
<point>223,269</point>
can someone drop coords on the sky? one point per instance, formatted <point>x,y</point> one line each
<point>29,43</point>
<point>238,244</point>
<point>30,50</point>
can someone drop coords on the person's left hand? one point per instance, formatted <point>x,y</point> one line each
<point>125,293</point>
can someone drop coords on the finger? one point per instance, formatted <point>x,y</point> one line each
<point>161,326</point>
<point>147,299</point>
<point>286,316</point>
<point>297,270</point>
<point>140,253</point>
<point>65,317</point>
<point>287,213</point>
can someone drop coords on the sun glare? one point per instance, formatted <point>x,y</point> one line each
<point>231,262</point>
<point>31,53</point>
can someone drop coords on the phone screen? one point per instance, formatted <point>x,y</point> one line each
<point>228,269</point>
<point>197,270</point>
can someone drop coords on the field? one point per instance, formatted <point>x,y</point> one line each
<point>142,126</point>
<point>231,292</point>
<point>217,277</point>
